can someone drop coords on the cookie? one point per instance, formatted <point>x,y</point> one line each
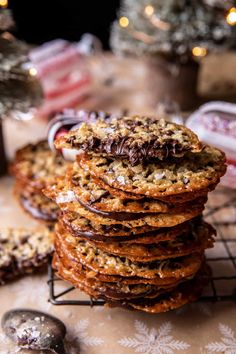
<point>136,139</point>
<point>78,225</point>
<point>106,290</point>
<point>130,220</point>
<point>66,262</point>
<point>175,176</point>
<point>196,241</point>
<point>99,261</point>
<point>185,293</point>
<point>82,227</point>
<point>37,205</point>
<point>36,165</point>
<point>92,195</point>
<point>145,297</point>
<point>169,199</point>
<point>100,201</point>
<point>22,251</point>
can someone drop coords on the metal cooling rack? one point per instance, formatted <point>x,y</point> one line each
<point>221,213</point>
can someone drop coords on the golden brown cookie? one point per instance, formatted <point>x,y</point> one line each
<point>140,219</point>
<point>144,297</point>
<point>200,238</point>
<point>106,290</point>
<point>79,226</point>
<point>169,199</point>
<point>37,166</point>
<point>191,173</point>
<point>100,201</point>
<point>37,205</point>
<point>67,263</point>
<point>185,293</point>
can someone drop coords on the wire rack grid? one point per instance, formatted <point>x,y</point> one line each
<point>221,213</point>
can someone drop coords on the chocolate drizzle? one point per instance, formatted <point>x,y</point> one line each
<point>137,139</point>
<point>103,237</point>
<point>119,216</point>
<point>126,147</point>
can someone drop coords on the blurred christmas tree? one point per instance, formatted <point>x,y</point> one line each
<point>18,88</point>
<point>174,34</point>
<point>177,29</point>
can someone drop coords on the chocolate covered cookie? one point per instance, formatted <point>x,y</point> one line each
<point>134,220</point>
<point>197,240</point>
<point>186,292</point>
<point>130,230</point>
<point>109,291</point>
<point>22,251</point>
<point>36,204</point>
<point>136,139</point>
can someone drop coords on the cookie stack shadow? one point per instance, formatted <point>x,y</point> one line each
<point>130,229</point>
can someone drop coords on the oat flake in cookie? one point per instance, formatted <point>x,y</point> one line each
<point>136,139</point>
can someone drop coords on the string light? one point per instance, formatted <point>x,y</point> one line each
<point>33,72</point>
<point>3,3</point>
<point>199,51</point>
<point>149,10</point>
<point>231,17</point>
<point>123,22</point>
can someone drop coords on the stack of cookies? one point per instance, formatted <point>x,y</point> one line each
<point>130,229</point>
<point>35,167</point>
<point>24,250</point>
